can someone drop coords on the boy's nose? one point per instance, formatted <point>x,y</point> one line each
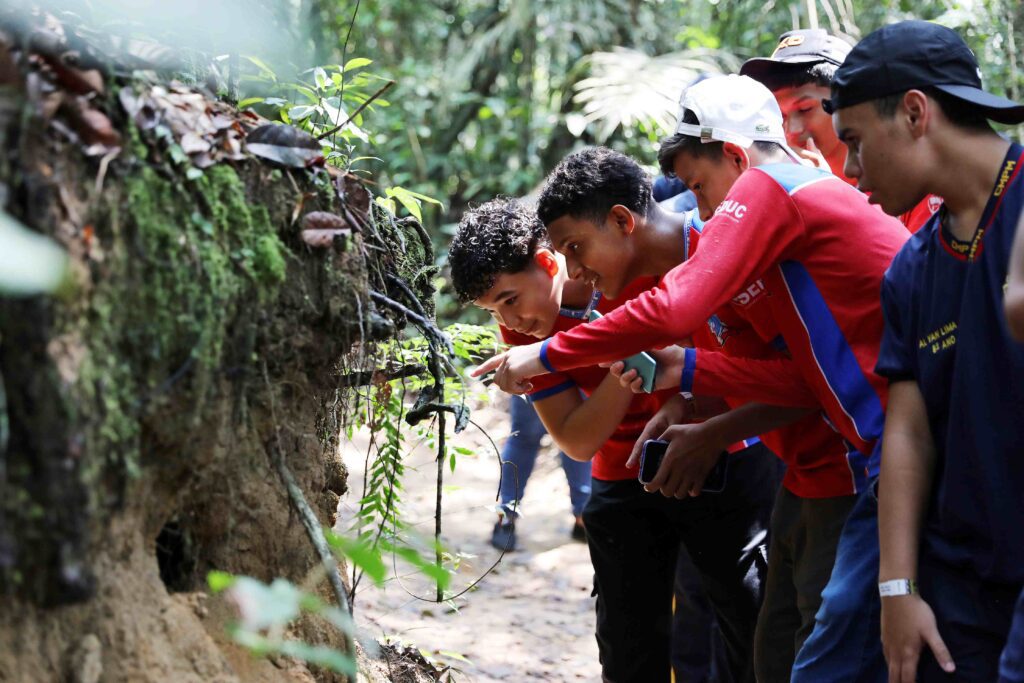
<point>573,267</point>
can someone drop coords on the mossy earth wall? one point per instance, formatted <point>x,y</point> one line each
<point>139,399</point>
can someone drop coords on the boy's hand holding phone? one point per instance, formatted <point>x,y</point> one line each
<point>674,411</point>
<point>642,368</point>
<point>653,453</point>
<point>693,451</point>
<point>669,368</point>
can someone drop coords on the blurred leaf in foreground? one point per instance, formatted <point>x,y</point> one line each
<point>29,262</point>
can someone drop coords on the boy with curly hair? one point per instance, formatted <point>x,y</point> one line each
<point>502,262</point>
<point>509,250</point>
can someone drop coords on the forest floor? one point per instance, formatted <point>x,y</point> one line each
<point>532,617</point>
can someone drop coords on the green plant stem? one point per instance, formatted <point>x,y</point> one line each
<point>364,105</point>
<point>437,509</point>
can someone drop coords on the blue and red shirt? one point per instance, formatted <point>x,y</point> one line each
<point>821,251</point>
<point>945,328</point>
<point>743,360</point>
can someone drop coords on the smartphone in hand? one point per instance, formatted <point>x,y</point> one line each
<point>650,459</point>
<point>643,363</point>
<point>653,453</point>
<point>715,481</point>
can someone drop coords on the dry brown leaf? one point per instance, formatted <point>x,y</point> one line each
<point>91,124</point>
<point>191,143</point>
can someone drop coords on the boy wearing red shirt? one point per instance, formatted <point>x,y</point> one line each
<point>500,260</point>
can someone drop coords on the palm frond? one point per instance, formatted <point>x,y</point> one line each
<point>627,87</point>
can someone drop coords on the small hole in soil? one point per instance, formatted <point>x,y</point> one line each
<point>174,556</point>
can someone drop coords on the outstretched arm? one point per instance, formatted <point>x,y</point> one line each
<point>737,247</point>
<point>581,426</point>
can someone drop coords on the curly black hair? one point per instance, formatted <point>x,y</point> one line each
<point>497,237</point>
<point>588,183</point>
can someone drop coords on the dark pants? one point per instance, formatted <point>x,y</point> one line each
<point>633,537</point>
<point>1011,663</point>
<point>698,652</point>
<point>804,536</point>
<point>973,618</point>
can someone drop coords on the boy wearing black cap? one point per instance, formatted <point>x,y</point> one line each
<point>799,73</point>
<point>908,104</point>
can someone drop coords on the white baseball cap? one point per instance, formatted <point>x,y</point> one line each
<point>734,109</point>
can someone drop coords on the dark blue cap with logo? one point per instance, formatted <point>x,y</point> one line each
<point>912,55</point>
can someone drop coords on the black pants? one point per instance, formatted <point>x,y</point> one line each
<point>698,652</point>
<point>634,536</point>
<point>973,617</point>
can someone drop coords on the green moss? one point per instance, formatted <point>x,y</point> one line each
<point>414,262</point>
<point>185,259</point>
<point>135,143</point>
<point>270,265</point>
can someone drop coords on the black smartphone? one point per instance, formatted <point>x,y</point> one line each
<point>654,452</point>
<point>715,481</point>
<point>650,459</point>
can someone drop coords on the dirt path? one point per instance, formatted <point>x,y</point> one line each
<point>532,618</point>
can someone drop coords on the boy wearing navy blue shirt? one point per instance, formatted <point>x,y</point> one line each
<point>908,104</point>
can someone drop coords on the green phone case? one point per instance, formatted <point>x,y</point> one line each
<point>642,362</point>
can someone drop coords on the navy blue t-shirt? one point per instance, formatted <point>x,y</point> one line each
<point>945,327</point>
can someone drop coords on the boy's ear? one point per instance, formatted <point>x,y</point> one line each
<point>547,261</point>
<point>736,156</point>
<point>622,218</point>
<point>916,110</point>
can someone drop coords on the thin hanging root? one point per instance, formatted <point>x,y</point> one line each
<point>437,509</point>
<point>421,322</point>
<point>309,519</point>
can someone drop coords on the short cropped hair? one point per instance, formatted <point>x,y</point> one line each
<point>797,75</point>
<point>675,144</point>
<point>960,113</point>
<point>500,236</point>
<point>588,183</point>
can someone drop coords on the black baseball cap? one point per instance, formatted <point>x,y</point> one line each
<point>800,48</point>
<point>916,54</point>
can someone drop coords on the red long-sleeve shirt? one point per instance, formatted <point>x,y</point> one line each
<point>821,251</point>
<point>743,360</point>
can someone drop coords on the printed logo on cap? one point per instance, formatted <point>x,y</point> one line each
<point>789,41</point>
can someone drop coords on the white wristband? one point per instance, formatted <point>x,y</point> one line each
<point>895,587</point>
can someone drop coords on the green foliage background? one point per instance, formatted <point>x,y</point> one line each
<point>486,95</point>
